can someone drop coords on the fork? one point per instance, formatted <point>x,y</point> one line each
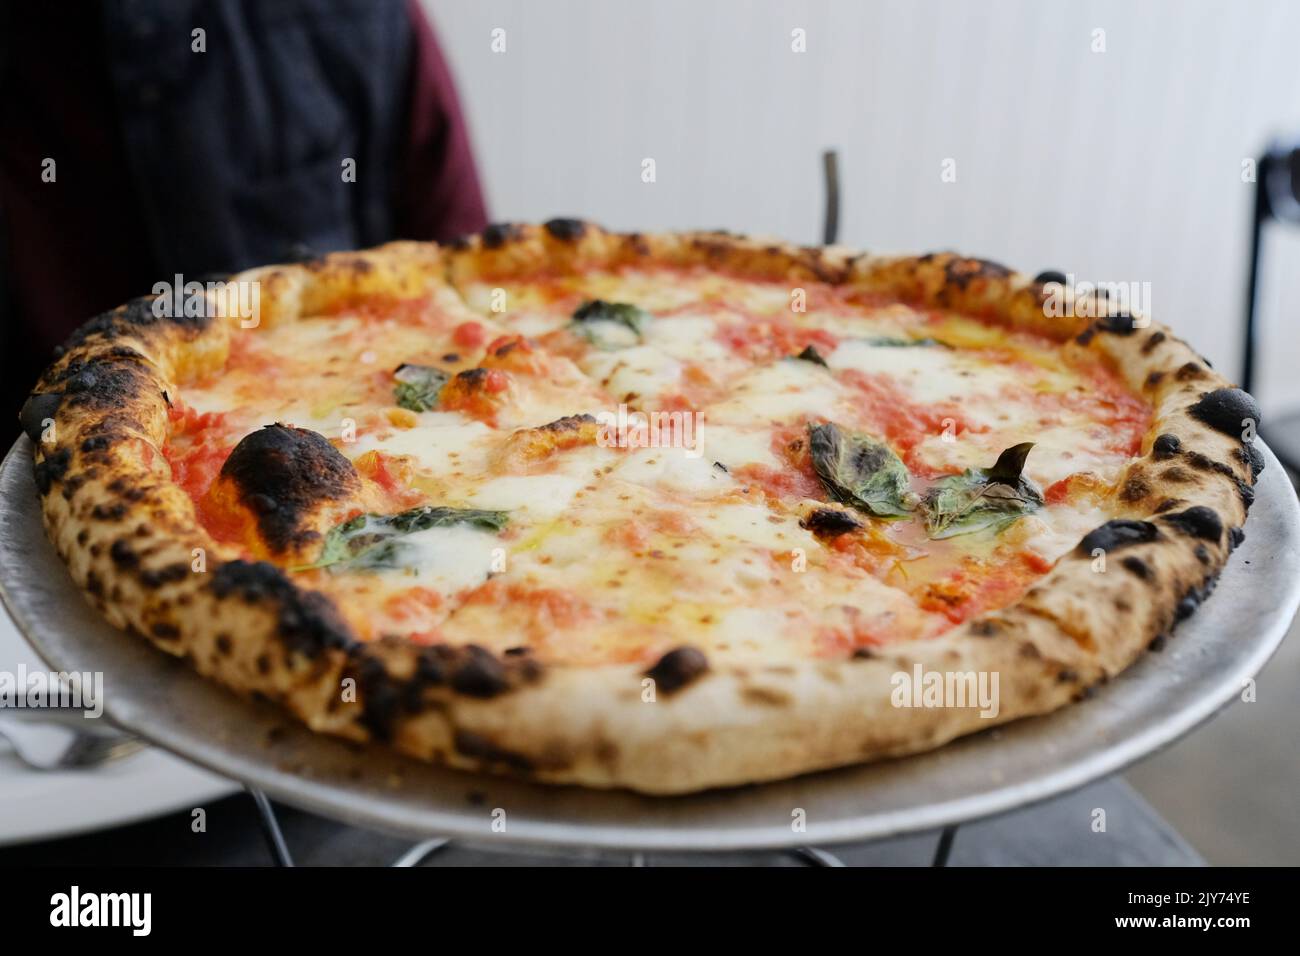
<point>47,745</point>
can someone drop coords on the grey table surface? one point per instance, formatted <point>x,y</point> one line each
<point>1056,832</point>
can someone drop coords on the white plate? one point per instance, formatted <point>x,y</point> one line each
<point>38,806</point>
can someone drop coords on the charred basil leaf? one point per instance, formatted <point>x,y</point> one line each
<point>861,472</point>
<point>418,386</point>
<point>371,542</point>
<point>610,325</point>
<point>810,354</point>
<point>982,498</point>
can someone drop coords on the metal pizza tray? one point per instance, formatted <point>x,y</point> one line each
<point>1159,699</point>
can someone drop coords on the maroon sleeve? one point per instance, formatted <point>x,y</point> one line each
<point>438,195</point>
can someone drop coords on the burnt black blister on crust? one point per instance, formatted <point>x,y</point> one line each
<point>50,469</point>
<point>282,473</point>
<point>381,697</point>
<point>122,554</point>
<point>1165,447</point>
<point>497,234</point>
<point>39,407</point>
<point>104,384</point>
<point>110,512</point>
<point>1206,463</point>
<point>677,668</point>
<point>569,423</point>
<point>475,745</point>
<point>479,674</point>
<point>1190,372</point>
<point>136,316</point>
<point>156,577</point>
<point>1197,522</point>
<point>1154,339</point>
<point>1225,410</point>
<point>1118,533</point>
<point>1050,276</point>
<point>1135,488</point>
<point>1138,567</point>
<point>1252,457</point>
<point>470,670</point>
<point>308,621</point>
<point>960,272</point>
<point>1194,597</point>
<point>566,230</point>
<point>1120,323</point>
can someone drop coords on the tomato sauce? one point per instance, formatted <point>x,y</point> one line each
<point>888,412</point>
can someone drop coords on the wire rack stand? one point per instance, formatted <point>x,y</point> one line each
<point>418,853</point>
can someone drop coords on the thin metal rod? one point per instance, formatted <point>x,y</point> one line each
<point>831,173</point>
<point>815,857</point>
<point>270,828</point>
<point>421,852</point>
<point>1261,214</point>
<point>944,849</point>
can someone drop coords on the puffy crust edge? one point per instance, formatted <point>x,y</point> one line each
<point>128,537</point>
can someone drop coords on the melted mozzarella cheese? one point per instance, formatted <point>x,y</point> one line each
<point>1053,531</point>
<point>780,392</point>
<point>735,447</point>
<point>687,337</point>
<point>749,633</point>
<point>539,495</point>
<point>676,469</point>
<point>766,299</point>
<point>446,560</point>
<point>752,525</point>
<point>1059,450</point>
<point>637,372</point>
<point>930,374</point>
<point>443,444</point>
<point>545,495</point>
<point>534,322</point>
<point>645,289</point>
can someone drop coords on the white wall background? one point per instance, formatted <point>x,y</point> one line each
<point>1124,165</point>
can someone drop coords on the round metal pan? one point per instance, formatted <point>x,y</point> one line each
<point>1159,699</point>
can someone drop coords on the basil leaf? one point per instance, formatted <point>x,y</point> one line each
<point>861,472</point>
<point>980,499</point>
<point>610,325</point>
<point>418,386</point>
<point>810,354</point>
<point>370,541</point>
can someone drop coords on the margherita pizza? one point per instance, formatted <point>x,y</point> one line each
<point>664,512</point>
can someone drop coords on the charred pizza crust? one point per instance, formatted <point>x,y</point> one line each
<point>131,540</point>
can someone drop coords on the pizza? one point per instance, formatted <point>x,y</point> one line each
<point>655,511</point>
